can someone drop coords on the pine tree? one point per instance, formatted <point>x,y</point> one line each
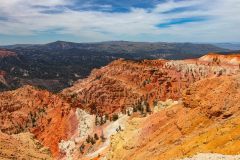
<point>106,117</point>
<point>102,137</point>
<point>128,112</point>
<point>88,140</point>
<point>120,128</point>
<point>96,137</point>
<point>102,120</point>
<point>96,121</point>
<point>81,148</point>
<point>92,140</point>
<point>134,109</point>
<point>115,117</point>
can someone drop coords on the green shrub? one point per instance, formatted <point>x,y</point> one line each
<point>96,137</point>
<point>115,117</point>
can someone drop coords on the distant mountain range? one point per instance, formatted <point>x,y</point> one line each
<point>57,65</point>
<point>232,46</point>
<point>135,50</point>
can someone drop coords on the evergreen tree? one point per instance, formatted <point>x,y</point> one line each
<point>88,140</point>
<point>92,140</point>
<point>115,117</point>
<point>103,139</point>
<point>128,112</point>
<point>96,137</point>
<point>82,148</point>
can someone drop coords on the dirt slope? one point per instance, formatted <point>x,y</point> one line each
<point>207,121</point>
<point>22,146</point>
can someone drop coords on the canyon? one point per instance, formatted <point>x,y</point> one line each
<point>125,84</point>
<point>129,109</point>
<point>55,66</point>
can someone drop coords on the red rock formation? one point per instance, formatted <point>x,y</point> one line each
<point>49,117</point>
<point>126,83</point>
<point>6,53</point>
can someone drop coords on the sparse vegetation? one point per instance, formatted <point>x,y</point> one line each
<point>119,129</point>
<point>88,140</point>
<point>96,137</point>
<point>134,109</point>
<point>107,116</point>
<point>103,139</point>
<point>155,103</point>
<point>128,113</point>
<point>115,117</point>
<point>81,148</point>
<point>92,140</point>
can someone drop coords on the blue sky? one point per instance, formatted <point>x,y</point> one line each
<point>31,21</point>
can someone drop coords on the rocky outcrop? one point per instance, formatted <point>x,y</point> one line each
<point>233,59</point>
<point>221,96</point>
<point>124,84</point>
<point>44,114</point>
<point>86,126</point>
<point>206,122</point>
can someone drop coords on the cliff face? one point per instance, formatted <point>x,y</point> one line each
<point>124,84</point>
<point>206,122</point>
<point>47,116</point>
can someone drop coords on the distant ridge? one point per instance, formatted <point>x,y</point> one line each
<point>148,49</point>
<point>232,46</point>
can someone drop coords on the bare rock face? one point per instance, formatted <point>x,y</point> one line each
<point>233,59</point>
<point>165,104</point>
<point>206,122</point>
<point>227,91</point>
<point>86,124</point>
<point>124,84</point>
<point>47,116</point>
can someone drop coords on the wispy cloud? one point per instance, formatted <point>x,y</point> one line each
<point>185,20</point>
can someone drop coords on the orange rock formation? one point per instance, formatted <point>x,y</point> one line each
<point>207,119</point>
<point>207,122</point>
<point>124,84</point>
<point>49,117</point>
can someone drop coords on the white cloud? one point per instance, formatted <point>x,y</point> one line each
<point>24,18</point>
<point>171,4</point>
